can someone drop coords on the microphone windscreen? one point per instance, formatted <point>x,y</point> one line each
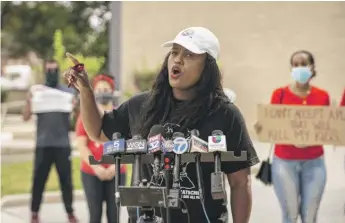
<point>178,134</point>
<point>156,129</point>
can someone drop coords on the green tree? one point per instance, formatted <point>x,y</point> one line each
<point>59,49</point>
<point>94,63</point>
<point>30,26</point>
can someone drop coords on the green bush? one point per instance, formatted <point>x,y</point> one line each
<point>143,79</point>
<point>93,64</point>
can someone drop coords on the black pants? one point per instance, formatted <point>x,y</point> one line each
<point>44,158</point>
<point>97,191</point>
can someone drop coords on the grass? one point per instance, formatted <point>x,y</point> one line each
<point>16,178</point>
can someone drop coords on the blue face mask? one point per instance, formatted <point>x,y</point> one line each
<point>301,74</point>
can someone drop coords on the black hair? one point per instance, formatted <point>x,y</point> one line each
<point>50,61</point>
<point>209,93</point>
<point>310,56</point>
<point>46,61</point>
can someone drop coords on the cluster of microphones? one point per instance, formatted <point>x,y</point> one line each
<point>168,154</point>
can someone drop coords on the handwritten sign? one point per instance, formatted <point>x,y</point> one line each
<point>46,99</point>
<point>302,125</point>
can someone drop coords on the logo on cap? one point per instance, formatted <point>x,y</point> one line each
<point>188,33</point>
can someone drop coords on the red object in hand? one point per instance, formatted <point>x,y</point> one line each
<point>78,67</point>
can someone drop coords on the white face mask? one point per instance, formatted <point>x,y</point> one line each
<point>301,74</point>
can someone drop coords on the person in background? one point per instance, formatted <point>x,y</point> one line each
<point>298,171</point>
<point>98,180</point>
<point>52,142</point>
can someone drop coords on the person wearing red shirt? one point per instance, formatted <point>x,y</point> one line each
<point>298,171</point>
<point>98,180</point>
<point>342,102</point>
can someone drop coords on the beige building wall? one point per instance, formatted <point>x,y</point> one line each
<point>256,38</point>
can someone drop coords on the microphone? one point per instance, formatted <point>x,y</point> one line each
<point>116,146</point>
<point>168,145</point>
<point>180,147</point>
<point>137,146</point>
<point>155,146</point>
<point>198,146</point>
<point>217,144</point>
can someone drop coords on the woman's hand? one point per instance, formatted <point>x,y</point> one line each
<point>110,172</point>
<point>76,76</point>
<point>101,172</point>
<point>258,127</point>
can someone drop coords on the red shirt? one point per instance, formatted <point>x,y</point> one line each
<point>95,148</point>
<point>342,102</point>
<point>316,97</point>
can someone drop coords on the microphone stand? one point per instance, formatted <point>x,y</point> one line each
<point>217,162</point>
<point>117,158</point>
<point>167,174</point>
<point>148,213</point>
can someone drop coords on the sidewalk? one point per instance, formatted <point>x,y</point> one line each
<point>53,213</point>
<point>265,209</point>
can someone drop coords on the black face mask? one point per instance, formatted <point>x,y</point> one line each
<point>52,78</point>
<point>104,98</point>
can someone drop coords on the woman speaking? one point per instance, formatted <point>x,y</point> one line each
<point>187,94</point>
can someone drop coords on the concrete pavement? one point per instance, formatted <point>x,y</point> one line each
<point>265,205</point>
<point>265,209</point>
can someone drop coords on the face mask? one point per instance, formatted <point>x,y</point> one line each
<point>301,74</point>
<point>103,98</point>
<point>52,78</point>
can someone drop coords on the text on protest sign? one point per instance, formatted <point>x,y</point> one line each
<point>302,125</point>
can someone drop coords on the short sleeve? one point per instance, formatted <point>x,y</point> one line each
<point>277,96</point>
<point>327,100</point>
<point>79,128</point>
<point>342,102</point>
<point>237,140</point>
<point>116,121</point>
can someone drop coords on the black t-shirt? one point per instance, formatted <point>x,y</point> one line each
<point>228,118</point>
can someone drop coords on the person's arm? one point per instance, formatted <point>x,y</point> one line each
<point>238,172</point>
<point>82,145</point>
<point>241,195</point>
<point>83,149</point>
<point>101,125</point>
<point>91,115</point>
<point>81,141</point>
<point>27,108</point>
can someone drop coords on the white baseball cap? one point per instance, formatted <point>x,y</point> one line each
<point>198,40</point>
<point>230,94</point>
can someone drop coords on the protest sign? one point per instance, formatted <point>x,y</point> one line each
<point>302,125</point>
<point>45,99</point>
